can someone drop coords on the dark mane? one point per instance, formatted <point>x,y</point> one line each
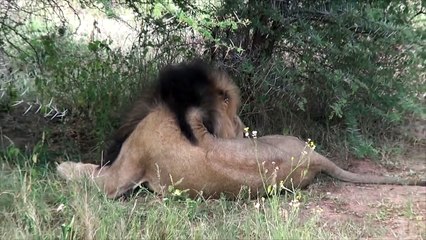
<point>188,85</point>
<point>179,87</point>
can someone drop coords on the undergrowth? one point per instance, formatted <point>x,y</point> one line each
<point>343,74</point>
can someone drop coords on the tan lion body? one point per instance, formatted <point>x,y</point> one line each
<point>157,154</point>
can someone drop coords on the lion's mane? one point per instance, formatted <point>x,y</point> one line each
<point>181,87</point>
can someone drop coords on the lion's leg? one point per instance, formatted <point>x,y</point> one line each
<point>115,180</point>
<point>127,171</point>
<point>121,177</point>
<point>74,171</point>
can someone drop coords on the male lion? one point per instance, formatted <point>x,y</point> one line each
<point>157,154</point>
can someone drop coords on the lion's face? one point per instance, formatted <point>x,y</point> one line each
<point>228,124</point>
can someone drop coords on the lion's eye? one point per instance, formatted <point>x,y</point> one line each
<point>226,100</point>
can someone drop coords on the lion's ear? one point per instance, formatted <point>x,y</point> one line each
<point>239,126</point>
<point>195,116</point>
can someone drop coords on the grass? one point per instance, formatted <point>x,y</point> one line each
<point>36,204</point>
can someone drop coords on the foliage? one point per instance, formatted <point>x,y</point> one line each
<point>334,71</point>
<point>352,66</point>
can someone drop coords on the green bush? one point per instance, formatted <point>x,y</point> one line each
<point>90,79</point>
<point>341,73</point>
<point>348,69</point>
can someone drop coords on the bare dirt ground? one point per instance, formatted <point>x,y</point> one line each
<point>24,130</point>
<point>391,212</point>
<point>19,130</point>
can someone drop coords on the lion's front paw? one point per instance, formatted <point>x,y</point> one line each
<point>73,170</point>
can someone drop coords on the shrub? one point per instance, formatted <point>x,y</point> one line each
<point>333,71</point>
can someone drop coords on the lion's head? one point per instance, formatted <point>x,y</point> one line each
<point>181,87</point>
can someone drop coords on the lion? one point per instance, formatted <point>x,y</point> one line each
<point>156,154</point>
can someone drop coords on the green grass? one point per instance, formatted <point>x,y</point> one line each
<point>36,204</point>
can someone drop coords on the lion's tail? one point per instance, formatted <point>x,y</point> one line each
<point>335,171</point>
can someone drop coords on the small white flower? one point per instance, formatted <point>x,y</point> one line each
<point>294,203</point>
<point>254,134</point>
<point>60,208</point>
